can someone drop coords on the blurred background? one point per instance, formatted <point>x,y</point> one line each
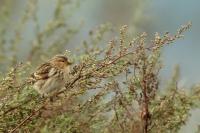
<point>23,24</point>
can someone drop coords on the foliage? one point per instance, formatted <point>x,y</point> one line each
<point>111,89</point>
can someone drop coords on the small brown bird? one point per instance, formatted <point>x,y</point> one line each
<point>51,76</point>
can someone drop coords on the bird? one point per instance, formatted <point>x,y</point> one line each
<point>50,76</point>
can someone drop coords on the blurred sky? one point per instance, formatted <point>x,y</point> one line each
<point>150,16</point>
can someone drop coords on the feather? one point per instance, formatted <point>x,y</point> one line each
<point>42,72</point>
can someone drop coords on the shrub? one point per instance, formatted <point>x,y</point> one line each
<point>110,89</point>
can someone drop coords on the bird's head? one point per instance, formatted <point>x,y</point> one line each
<point>60,61</point>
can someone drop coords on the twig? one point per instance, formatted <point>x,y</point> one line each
<point>73,82</point>
<point>18,106</point>
<point>26,119</point>
<point>117,118</point>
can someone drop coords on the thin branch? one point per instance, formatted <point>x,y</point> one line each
<point>117,118</point>
<point>26,119</point>
<point>145,108</point>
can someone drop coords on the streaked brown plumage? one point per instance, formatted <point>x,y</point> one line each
<point>50,76</point>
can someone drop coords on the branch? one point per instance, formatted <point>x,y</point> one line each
<point>26,119</point>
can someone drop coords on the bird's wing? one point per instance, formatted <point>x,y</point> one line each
<point>42,72</point>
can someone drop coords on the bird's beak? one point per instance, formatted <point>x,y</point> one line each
<point>69,63</point>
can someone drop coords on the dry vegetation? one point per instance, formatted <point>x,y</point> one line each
<point>111,89</point>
